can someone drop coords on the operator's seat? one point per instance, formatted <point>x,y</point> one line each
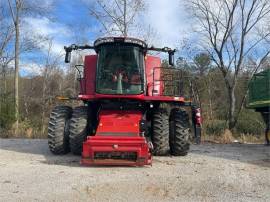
<point>135,79</point>
<point>135,82</point>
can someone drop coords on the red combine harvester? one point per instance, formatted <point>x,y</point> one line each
<point>128,114</point>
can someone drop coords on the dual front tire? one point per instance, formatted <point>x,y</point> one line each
<point>58,130</point>
<point>78,129</point>
<point>179,132</point>
<point>171,133</point>
<point>67,129</point>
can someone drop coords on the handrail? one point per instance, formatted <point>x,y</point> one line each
<point>170,81</point>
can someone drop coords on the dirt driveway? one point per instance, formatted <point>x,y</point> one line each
<point>29,172</point>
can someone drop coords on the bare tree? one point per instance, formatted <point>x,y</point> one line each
<point>231,31</point>
<point>15,13</point>
<point>266,63</point>
<point>6,35</point>
<point>51,63</point>
<point>116,16</point>
<point>18,9</point>
<point>202,63</point>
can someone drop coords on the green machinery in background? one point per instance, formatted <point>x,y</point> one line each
<point>259,97</point>
<point>259,91</point>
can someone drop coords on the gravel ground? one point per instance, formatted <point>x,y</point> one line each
<point>211,172</point>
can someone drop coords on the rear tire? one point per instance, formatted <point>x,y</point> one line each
<point>78,129</point>
<point>160,138</point>
<point>179,132</point>
<point>58,130</point>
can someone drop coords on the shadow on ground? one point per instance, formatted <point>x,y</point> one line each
<point>256,154</point>
<point>39,147</point>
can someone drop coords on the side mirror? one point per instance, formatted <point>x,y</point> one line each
<point>68,55</point>
<point>171,58</point>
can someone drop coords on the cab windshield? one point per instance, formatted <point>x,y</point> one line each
<point>120,69</point>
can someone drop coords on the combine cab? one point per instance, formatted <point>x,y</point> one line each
<point>132,107</point>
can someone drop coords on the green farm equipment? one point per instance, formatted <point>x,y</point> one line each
<point>259,98</point>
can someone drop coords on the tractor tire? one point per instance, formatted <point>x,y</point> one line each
<point>58,130</point>
<point>160,136</point>
<point>78,129</point>
<point>179,132</point>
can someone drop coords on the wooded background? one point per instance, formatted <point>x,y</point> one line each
<point>229,42</point>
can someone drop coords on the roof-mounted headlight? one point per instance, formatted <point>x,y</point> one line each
<point>103,40</point>
<point>120,40</point>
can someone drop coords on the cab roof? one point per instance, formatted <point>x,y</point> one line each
<point>127,40</point>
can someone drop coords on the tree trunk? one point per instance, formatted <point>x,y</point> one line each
<point>44,90</point>
<point>43,107</point>
<point>195,94</point>
<point>16,77</point>
<point>210,99</point>
<point>232,102</point>
<point>5,88</point>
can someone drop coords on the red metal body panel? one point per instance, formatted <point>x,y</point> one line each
<point>89,81</point>
<point>120,123</point>
<point>154,85</point>
<point>118,134</point>
<point>112,144</point>
<point>135,97</point>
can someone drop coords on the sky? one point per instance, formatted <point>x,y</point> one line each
<point>70,22</point>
